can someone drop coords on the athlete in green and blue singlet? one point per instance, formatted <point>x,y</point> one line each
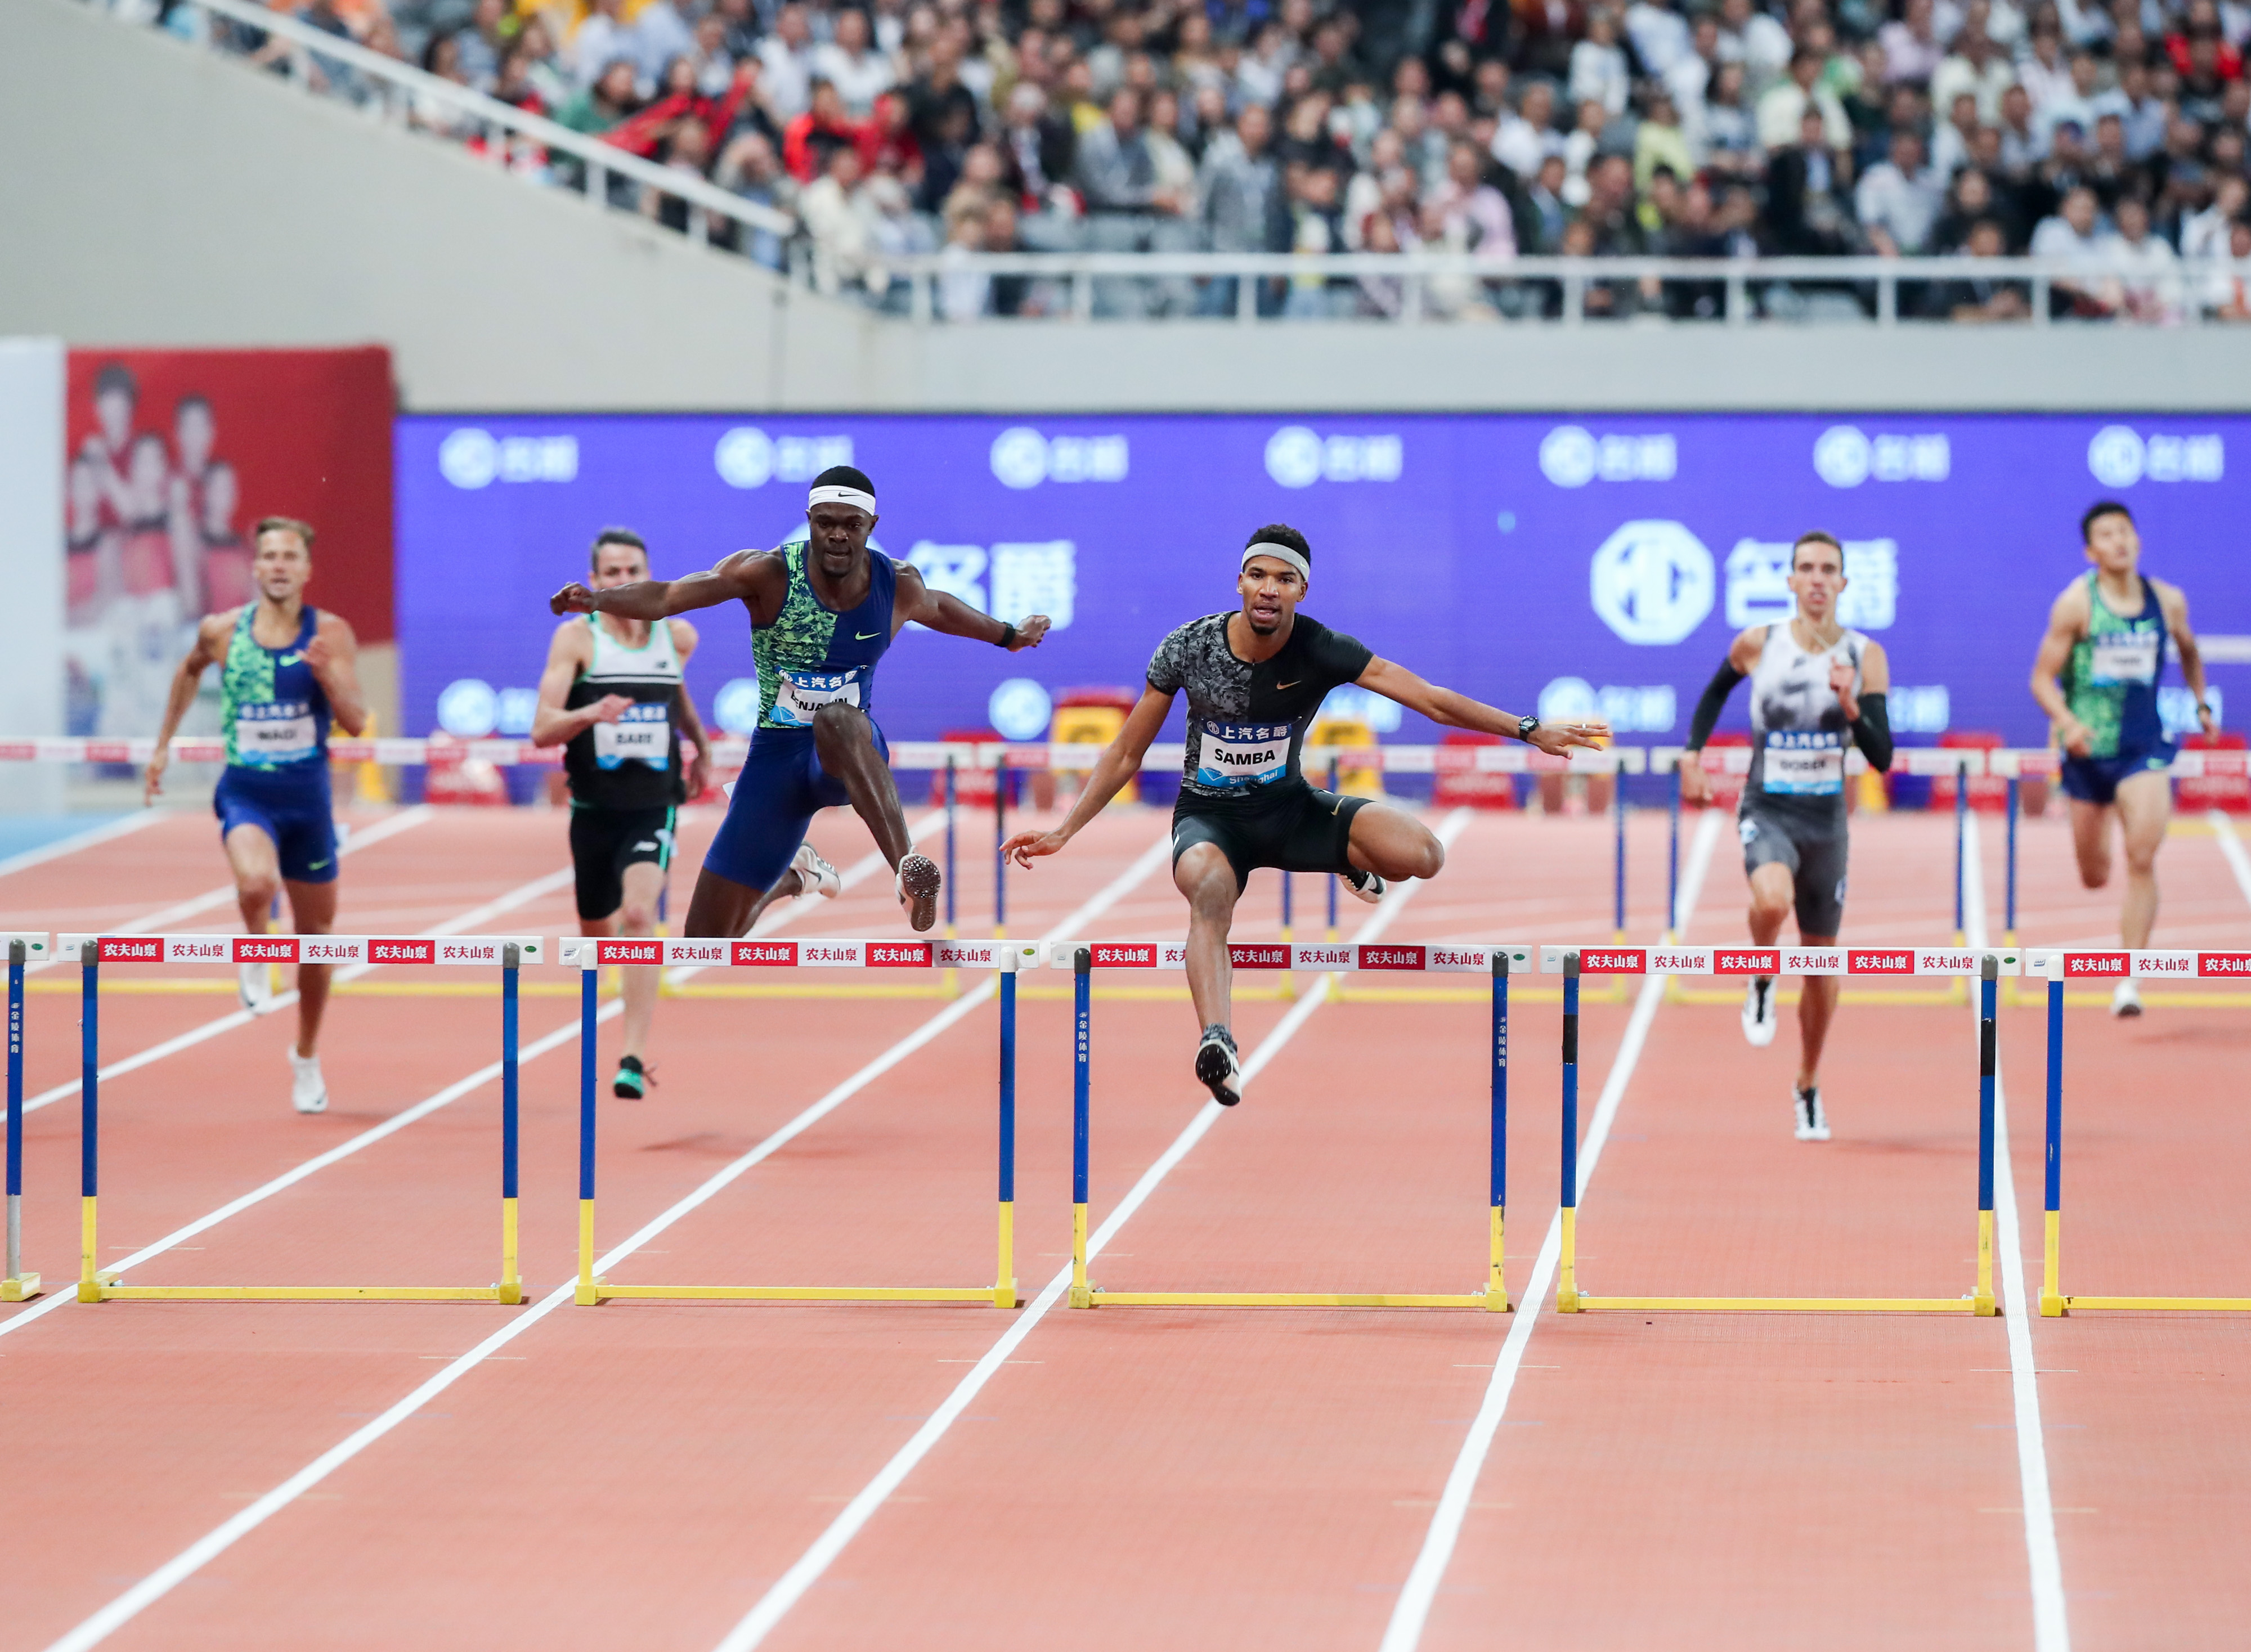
<point>823,611</point>
<point>286,671</point>
<point>2096,676</point>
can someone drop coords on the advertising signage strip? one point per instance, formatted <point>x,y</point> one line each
<point>471,950</point>
<point>672,952</point>
<point>2151,965</point>
<point>1739,960</point>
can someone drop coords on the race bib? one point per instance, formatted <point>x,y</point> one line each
<point>2125,656</point>
<point>1237,756</point>
<point>803,692</point>
<point>1801,765</point>
<point>643,734</point>
<point>282,732</point>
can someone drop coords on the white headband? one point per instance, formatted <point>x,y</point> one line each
<point>835,496</point>
<point>1280,553</point>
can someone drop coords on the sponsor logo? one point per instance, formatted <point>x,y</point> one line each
<point>113,949</point>
<point>1114,955</point>
<point>1758,589</point>
<point>2220,963</point>
<point>313,949</point>
<point>472,458</point>
<point>1392,957</point>
<point>1845,457</point>
<point>1460,957</point>
<point>892,955</point>
<point>409,952</point>
<point>1024,577</point>
<point>251,949</point>
<point>1259,956</point>
<point>782,954</point>
<point>747,457</point>
<point>2101,964</point>
<point>2166,964</point>
<point>1932,960</point>
<point>1020,710</point>
<point>191,951</point>
<point>1570,457</point>
<point>2119,456</point>
<point>469,952</point>
<point>1020,457</point>
<point>828,952</point>
<point>1628,710</point>
<point>1317,956</point>
<point>1652,582</point>
<point>1758,960</point>
<point>1614,961</point>
<point>696,952</point>
<point>615,951</point>
<point>1297,457</point>
<point>1861,961</point>
<point>1679,960</point>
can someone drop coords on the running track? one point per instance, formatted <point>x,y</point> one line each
<point>684,1474</point>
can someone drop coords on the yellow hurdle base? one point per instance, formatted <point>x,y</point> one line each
<point>105,1291</point>
<point>1003,1295</point>
<point>1781,1304</point>
<point>2151,1304</point>
<point>21,1288</point>
<point>1098,1297</point>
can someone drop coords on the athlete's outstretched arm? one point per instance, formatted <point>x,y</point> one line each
<point>941,610</point>
<point>1395,682</point>
<point>1120,762</point>
<point>1743,655</point>
<point>2174,605</point>
<point>745,576</point>
<point>2066,621</point>
<point>684,710</point>
<point>209,645</point>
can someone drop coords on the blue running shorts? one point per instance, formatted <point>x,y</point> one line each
<point>294,809</point>
<point>2096,779</point>
<point>782,787</point>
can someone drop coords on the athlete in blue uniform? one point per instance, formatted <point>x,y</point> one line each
<point>2096,677</point>
<point>286,670</point>
<point>823,612</point>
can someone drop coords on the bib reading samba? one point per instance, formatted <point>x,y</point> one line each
<point>1803,765</point>
<point>642,734</point>
<point>800,693</point>
<point>2124,656</point>
<point>1238,755</point>
<point>280,731</point>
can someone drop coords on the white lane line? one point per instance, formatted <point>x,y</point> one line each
<point>2239,862</point>
<point>108,832</point>
<point>196,1555</point>
<point>781,915</point>
<point>405,821</point>
<point>2051,1621</point>
<point>790,1588</point>
<point>1412,1609</point>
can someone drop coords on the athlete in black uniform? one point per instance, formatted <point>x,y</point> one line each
<point>1255,681</point>
<point>612,698</point>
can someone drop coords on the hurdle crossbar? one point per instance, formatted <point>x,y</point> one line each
<point>592,953</point>
<point>24,947</point>
<point>1573,962</point>
<point>507,952</point>
<point>2057,966</point>
<point>1497,961</point>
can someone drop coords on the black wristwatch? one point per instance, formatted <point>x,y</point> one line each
<point>1525,726</point>
<point>1008,635</point>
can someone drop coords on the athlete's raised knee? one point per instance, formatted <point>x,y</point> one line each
<point>1768,907</point>
<point>258,890</point>
<point>637,917</point>
<point>837,726</point>
<point>1424,859</point>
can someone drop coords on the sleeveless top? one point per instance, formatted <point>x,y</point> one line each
<point>2111,681</point>
<point>276,715</point>
<point>811,655</point>
<point>634,763</point>
<point>1799,733</point>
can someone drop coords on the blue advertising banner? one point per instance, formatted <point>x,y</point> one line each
<point>1572,565</point>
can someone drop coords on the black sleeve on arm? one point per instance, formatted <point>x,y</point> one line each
<point>1873,733</point>
<point>1707,709</point>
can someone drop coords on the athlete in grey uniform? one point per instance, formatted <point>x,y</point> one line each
<point>1815,686</point>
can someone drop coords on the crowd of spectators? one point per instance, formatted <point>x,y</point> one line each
<point>2111,140</point>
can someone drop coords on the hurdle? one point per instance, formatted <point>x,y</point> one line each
<point>1572,963</point>
<point>1498,961</point>
<point>2058,966</point>
<point>24,948</point>
<point>508,952</point>
<point>591,953</point>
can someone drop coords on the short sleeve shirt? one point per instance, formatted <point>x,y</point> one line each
<point>1247,722</point>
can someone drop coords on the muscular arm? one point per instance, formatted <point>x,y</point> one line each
<point>943,611</point>
<point>209,645</point>
<point>1120,762</point>
<point>2067,622</point>
<point>683,709</point>
<point>1869,714</point>
<point>2174,605</point>
<point>752,576</point>
<point>568,653</point>
<point>1454,710</point>
<point>334,656</point>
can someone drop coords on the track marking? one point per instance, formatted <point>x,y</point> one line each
<point>2051,1623</point>
<point>107,833</point>
<point>1412,1610</point>
<point>146,1592</point>
<point>790,1588</point>
<point>2239,862</point>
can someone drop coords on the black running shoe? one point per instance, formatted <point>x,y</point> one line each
<point>1217,1068</point>
<point>632,1082</point>
<point>1365,886</point>
<point>916,886</point>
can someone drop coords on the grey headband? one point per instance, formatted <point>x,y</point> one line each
<point>1280,553</point>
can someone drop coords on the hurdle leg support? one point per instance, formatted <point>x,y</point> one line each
<point>18,1286</point>
<point>1567,1273</point>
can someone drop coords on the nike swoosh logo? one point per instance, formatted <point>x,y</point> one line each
<point>862,636</point>
<point>289,659</point>
<point>314,866</point>
<point>1280,686</point>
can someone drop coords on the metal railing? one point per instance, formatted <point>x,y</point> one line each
<point>392,92</point>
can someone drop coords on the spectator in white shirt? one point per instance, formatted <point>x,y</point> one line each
<point>1728,137</point>
<point>786,57</point>
<point>1951,145</point>
<point>2069,237</point>
<point>1786,102</point>
<point>601,40</point>
<point>2149,270</point>
<point>1528,136</point>
<point>1757,42</point>
<point>1659,35</point>
<point>1976,65</point>
<point>2145,116</point>
<point>1689,76</point>
<point>1910,42</point>
<point>2086,101</point>
<point>1898,200</point>
<point>660,35</point>
<point>2042,70</point>
<point>1599,66</point>
<point>838,220</point>
<point>851,64</point>
<point>2227,284</point>
<point>2024,146</point>
<point>2203,235</point>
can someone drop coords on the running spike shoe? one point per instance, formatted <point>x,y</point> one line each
<point>632,1079</point>
<point>1216,1067</point>
<point>2127,1000</point>
<point>1812,1121</point>
<point>1759,1018</point>
<point>1365,885</point>
<point>815,875</point>
<point>916,886</point>
<point>257,988</point>
<point>308,1091</point>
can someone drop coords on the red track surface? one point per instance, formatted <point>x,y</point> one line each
<point>639,1475</point>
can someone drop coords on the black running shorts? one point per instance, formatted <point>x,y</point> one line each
<point>604,842</point>
<point>1815,855</point>
<point>1305,829</point>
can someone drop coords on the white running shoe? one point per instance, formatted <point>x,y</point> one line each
<point>1366,885</point>
<point>308,1089</point>
<point>257,988</point>
<point>1759,1018</point>
<point>1217,1067</point>
<point>1812,1121</point>
<point>815,875</point>
<point>916,885</point>
<point>2127,1000</point>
